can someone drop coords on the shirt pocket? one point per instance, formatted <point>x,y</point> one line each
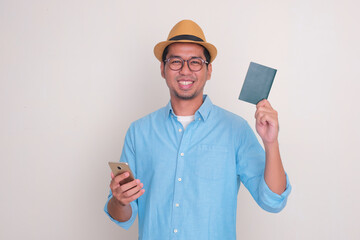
<point>210,161</point>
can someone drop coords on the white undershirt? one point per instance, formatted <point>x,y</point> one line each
<point>185,120</point>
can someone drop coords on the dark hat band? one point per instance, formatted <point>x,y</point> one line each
<point>186,37</point>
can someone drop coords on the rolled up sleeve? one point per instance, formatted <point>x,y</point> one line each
<point>126,225</point>
<point>270,201</point>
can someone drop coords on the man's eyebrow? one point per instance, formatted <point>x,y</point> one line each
<point>171,56</point>
<point>174,56</point>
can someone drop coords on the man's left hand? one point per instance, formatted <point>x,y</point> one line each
<point>267,124</point>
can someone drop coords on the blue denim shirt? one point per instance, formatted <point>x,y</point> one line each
<point>192,176</point>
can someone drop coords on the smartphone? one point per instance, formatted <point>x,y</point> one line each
<point>119,168</point>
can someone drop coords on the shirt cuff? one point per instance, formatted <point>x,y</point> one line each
<point>126,225</point>
<point>270,201</point>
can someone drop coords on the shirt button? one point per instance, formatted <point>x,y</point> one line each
<point>175,230</point>
<point>179,179</point>
<point>177,205</point>
<point>180,130</point>
<point>199,119</point>
<point>182,154</point>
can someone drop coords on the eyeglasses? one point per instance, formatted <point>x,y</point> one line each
<point>195,64</point>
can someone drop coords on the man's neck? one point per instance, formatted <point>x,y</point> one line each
<point>183,107</point>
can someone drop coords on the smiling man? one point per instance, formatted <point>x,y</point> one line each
<point>192,155</point>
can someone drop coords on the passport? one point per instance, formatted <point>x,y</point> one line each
<point>257,84</point>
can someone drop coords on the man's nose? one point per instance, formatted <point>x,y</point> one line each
<point>185,68</point>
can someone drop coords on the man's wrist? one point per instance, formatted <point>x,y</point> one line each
<point>113,201</point>
<point>270,146</point>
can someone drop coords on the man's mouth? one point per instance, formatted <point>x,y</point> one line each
<point>185,84</point>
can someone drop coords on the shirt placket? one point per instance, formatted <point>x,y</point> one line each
<point>179,180</point>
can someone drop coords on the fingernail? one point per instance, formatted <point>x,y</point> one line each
<point>137,181</point>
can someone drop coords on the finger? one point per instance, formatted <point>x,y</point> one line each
<point>118,189</point>
<point>271,113</point>
<point>263,103</point>
<point>265,110</point>
<point>263,120</point>
<point>127,186</point>
<point>258,114</point>
<point>262,110</point>
<point>135,196</point>
<point>134,190</point>
<point>112,175</point>
<point>260,121</point>
<point>268,119</point>
<point>115,182</point>
<point>121,177</point>
<point>114,185</point>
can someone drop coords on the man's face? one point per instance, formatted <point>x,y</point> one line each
<point>185,84</point>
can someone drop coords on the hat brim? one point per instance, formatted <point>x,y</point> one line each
<point>159,48</point>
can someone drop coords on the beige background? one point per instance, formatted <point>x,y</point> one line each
<point>75,74</point>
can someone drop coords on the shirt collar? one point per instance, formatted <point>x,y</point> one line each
<point>203,111</point>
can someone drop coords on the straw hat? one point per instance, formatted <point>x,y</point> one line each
<point>185,31</point>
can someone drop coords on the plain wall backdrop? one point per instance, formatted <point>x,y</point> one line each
<point>75,74</point>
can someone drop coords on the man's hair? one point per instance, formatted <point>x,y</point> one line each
<point>206,54</point>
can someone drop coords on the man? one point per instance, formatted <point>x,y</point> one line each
<point>191,155</point>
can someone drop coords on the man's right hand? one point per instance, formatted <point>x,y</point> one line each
<point>128,192</point>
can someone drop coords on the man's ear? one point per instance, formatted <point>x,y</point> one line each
<point>162,68</point>
<point>209,71</point>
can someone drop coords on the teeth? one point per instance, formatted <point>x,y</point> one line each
<point>185,82</point>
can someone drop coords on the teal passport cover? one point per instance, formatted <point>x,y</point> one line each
<point>257,84</point>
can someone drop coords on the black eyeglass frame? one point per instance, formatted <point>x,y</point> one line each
<point>187,61</point>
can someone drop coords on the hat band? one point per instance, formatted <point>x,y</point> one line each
<point>186,37</point>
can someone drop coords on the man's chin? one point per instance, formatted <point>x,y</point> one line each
<point>185,97</point>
